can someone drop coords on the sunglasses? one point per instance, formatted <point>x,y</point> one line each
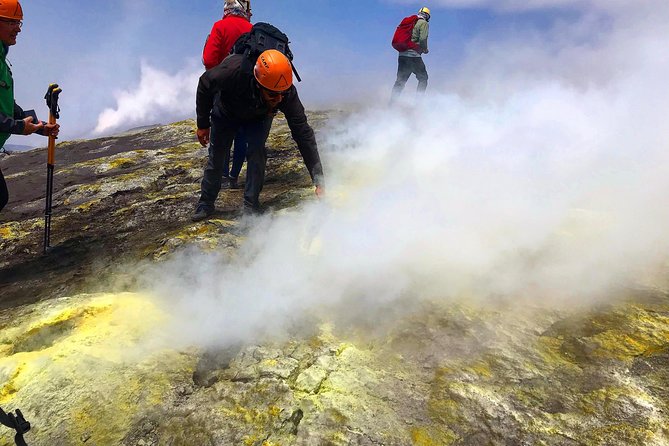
<point>10,22</point>
<point>274,94</point>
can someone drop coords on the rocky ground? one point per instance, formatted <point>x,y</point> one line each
<point>76,356</point>
<point>116,200</point>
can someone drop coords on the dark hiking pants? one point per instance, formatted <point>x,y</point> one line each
<point>239,153</point>
<point>406,66</point>
<point>4,193</point>
<point>256,134</point>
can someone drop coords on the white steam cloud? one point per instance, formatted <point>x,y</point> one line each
<point>159,95</point>
<point>547,184</point>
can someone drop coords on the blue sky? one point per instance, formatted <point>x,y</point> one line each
<point>100,51</point>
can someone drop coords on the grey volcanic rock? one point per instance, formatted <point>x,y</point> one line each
<point>118,200</point>
<point>85,369</point>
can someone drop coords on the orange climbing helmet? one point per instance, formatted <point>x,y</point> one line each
<point>11,9</point>
<point>273,70</point>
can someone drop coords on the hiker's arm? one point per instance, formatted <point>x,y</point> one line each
<point>206,89</point>
<point>204,103</point>
<point>18,111</point>
<point>303,135</point>
<point>43,128</point>
<point>213,54</point>
<point>423,31</point>
<point>8,124</point>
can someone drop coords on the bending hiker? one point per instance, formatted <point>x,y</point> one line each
<point>410,40</point>
<point>13,120</point>
<point>224,34</point>
<point>247,97</point>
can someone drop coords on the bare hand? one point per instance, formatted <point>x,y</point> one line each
<point>31,128</point>
<point>203,136</point>
<point>51,130</point>
<point>320,191</point>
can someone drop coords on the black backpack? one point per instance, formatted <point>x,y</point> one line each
<point>263,37</point>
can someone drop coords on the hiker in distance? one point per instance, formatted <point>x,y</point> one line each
<point>247,96</point>
<point>13,120</point>
<point>410,40</point>
<point>224,34</point>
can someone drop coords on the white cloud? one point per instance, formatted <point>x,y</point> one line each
<point>586,51</point>
<point>158,96</point>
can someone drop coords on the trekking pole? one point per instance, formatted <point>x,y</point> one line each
<point>54,113</point>
<point>16,422</point>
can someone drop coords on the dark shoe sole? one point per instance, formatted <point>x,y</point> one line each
<point>201,215</point>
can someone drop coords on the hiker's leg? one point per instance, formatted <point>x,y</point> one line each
<point>421,74</point>
<point>216,122</point>
<point>4,193</point>
<point>403,73</point>
<point>256,160</point>
<point>220,143</point>
<point>239,154</point>
<point>225,152</point>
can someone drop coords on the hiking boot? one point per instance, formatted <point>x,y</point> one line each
<point>258,210</point>
<point>202,212</point>
<point>233,183</point>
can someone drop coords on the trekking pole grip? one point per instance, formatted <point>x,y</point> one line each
<point>51,97</point>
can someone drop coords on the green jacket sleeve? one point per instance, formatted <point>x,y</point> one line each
<point>420,32</point>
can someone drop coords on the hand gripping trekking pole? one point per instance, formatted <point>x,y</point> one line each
<point>16,422</point>
<point>54,113</point>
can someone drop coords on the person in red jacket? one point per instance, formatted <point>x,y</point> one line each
<point>224,34</point>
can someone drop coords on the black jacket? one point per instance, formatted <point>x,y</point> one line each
<point>13,124</point>
<point>240,100</point>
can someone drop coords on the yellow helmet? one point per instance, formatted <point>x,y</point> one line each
<point>425,10</point>
<point>11,9</point>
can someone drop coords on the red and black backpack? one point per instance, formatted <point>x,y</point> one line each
<point>262,37</point>
<point>402,37</point>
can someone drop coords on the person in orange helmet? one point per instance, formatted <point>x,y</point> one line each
<point>248,99</point>
<point>13,120</point>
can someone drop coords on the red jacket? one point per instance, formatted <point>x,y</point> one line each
<point>223,35</point>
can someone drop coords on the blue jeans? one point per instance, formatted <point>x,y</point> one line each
<point>238,155</point>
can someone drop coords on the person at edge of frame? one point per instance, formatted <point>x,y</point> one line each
<point>13,120</point>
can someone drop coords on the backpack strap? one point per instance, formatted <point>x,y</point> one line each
<point>297,75</point>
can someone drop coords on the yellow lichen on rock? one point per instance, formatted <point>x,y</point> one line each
<point>87,206</point>
<point>432,436</point>
<point>9,231</point>
<point>121,163</point>
<point>60,351</point>
<point>631,332</point>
